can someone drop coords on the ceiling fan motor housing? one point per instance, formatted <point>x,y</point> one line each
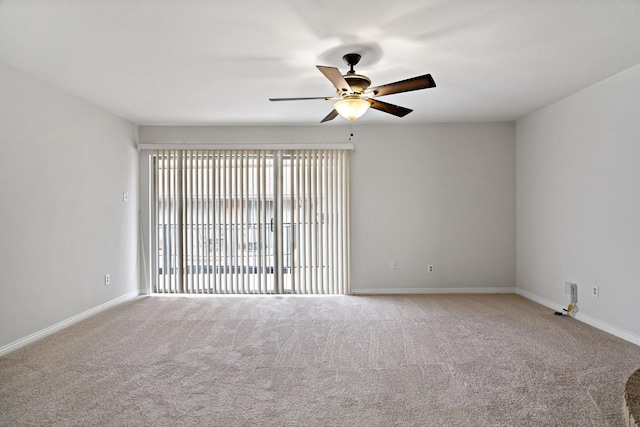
<point>357,82</point>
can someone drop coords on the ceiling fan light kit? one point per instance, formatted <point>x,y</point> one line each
<point>354,95</point>
<point>351,108</point>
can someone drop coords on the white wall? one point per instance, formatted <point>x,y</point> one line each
<point>578,202</point>
<point>430,194</point>
<point>441,195</point>
<point>64,165</point>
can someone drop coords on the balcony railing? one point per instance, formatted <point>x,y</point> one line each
<point>227,249</point>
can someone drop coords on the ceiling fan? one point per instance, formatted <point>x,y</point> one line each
<point>355,96</point>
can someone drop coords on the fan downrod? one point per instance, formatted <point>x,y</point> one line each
<point>352,60</point>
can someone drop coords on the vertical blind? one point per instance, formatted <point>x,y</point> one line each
<point>251,221</point>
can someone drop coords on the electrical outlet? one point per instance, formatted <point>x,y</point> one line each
<point>430,269</point>
<point>394,265</point>
<point>595,291</point>
<point>107,279</point>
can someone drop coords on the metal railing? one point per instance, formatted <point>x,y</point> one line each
<point>221,242</point>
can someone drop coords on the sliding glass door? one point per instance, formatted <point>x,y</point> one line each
<point>251,221</point>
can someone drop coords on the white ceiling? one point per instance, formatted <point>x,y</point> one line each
<point>218,61</point>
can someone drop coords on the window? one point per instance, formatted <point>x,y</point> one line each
<point>251,221</point>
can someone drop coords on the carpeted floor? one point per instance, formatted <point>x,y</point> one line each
<point>464,360</point>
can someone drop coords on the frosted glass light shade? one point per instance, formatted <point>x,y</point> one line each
<point>351,108</point>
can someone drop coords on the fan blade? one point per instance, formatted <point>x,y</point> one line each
<point>416,83</point>
<point>326,98</point>
<point>396,110</point>
<point>334,75</point>
<point>332,115</point>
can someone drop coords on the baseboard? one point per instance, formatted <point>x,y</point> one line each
<point>65,323</point>
<point>613,330</point>
<point>405,291</point>
<point>592,321</point>
<point>542,301</point>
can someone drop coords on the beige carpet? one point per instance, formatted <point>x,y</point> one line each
<point>467,360</point>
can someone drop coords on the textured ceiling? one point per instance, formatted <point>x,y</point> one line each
<point>218,62</point>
